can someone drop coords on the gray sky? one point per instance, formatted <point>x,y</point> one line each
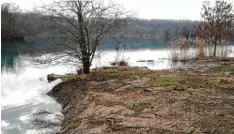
<point>147,9</point>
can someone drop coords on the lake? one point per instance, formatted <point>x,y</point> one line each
<point>25,106</point>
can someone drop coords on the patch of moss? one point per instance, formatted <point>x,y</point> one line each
<point>75,77</point>
<point>116,73</point>
<point>225,69</point>
<point>111,73</point>
<point>165,81</point>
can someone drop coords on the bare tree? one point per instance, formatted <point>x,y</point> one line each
<point>79,27</point>
<point>217,26</point>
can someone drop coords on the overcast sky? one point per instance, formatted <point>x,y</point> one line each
<point>147,9</point>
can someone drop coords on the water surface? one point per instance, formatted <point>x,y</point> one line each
<point>24,85</point>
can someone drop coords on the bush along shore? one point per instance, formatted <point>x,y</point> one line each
<point>124,100</point>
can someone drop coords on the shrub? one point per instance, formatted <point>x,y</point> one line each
<point>123,63</point>
<point>120,63</point>
<point>182,50</point>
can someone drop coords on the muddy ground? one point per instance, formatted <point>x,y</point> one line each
<point>123,100</point>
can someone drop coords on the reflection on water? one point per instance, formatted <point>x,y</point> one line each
<point>133,44</point>
<point>23,90</point>
<point>9,56</point>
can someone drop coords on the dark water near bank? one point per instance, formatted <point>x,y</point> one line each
<point>24,85</point>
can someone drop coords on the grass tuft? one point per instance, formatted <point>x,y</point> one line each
<point>165,81</point>
<point>75,77</point>
<point>119,73</point>
<point>225,69</point>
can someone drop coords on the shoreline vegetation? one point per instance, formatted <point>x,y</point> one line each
<point>124,99</point>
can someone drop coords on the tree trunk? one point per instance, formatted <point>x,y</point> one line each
<point>86,65</point>
<point>214,54</point>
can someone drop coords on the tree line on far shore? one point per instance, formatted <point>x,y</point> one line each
<point>18,25</point>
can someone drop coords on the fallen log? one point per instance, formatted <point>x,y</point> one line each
<point>145,61</point>
<point>53,77</point>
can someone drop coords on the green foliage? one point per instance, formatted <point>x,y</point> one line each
<point>116,73</point>
<point>75,77</point>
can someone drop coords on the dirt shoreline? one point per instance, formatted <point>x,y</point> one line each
<point>125,100</point>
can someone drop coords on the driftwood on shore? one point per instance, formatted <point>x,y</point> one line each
<point>53,77</point>
<point>145,61</point>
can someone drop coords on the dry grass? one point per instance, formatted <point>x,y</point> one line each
<point>75,77</point>
<point>200,44</point>
<point>164,81</point>
<point>182,50</point>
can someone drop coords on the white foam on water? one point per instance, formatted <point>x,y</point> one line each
<point>25,89</point>
<point>25,118</point>
<point>4,124</point>
<point>7,126</point>
<point>40,131</point>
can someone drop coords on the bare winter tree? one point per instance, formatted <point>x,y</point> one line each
<point>217,26</point>
<point>79,27</point>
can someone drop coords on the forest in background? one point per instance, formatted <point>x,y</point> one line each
<point>29,26</point>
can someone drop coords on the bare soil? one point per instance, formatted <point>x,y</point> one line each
<point>123,101</point>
